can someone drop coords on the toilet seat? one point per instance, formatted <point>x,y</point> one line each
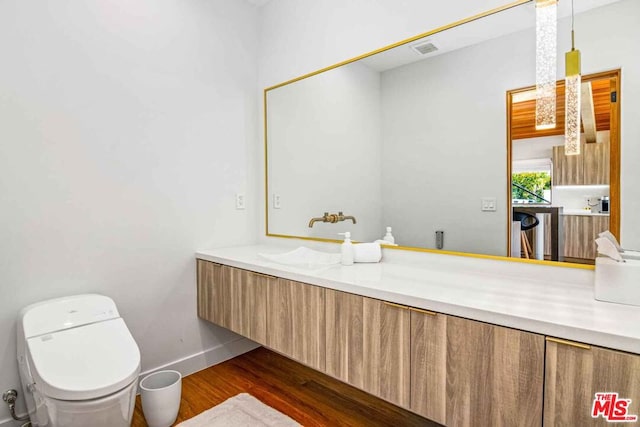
<point>81,363</point>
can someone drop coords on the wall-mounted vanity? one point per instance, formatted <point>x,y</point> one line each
<point>418,139</point>
<point>449,342</point>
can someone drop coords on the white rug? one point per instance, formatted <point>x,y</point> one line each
<point>242,410</point>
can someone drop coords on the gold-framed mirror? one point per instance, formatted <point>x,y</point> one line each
<point>384,176</point>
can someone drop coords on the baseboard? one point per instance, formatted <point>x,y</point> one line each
<point>204,359</point>
<point>187,365</point>
<point>8,422</point>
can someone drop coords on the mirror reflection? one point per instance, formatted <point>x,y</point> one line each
<point>560,202</point>
<point>415,137</point>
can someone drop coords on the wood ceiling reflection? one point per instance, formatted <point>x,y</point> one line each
<point>523,115</point>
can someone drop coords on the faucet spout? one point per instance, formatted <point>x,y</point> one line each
<point>342,217</point>
<point>352,218</point>
<point>324,218</point>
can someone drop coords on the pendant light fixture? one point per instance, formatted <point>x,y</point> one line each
<point>572,84</point>
<point>546,52</point>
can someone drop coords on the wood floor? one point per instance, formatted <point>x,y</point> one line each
<point>307,396</point>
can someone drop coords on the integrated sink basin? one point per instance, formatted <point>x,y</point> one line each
<point>304,257</point>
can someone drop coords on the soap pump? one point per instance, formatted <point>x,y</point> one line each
<point>389,237</point>
<point>346,249</point>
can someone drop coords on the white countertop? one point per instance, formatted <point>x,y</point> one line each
<point>582,212</point>
<point>565,211</point>
<point>556,308</point>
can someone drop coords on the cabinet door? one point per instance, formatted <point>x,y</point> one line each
<point>345,339</point>
<point>247,302</point>
<point>468,373</point>
<point>574,375</point>
<point>595,225</point>
<point>429,365</point>
<point>567,170</point>
<point>295,322</point>
<point>596,163</point>
<point>574,236</point>
<point>580,232</point>
<point>234,299</point>
<point>214,294</point>
<point>368,345</point>
<point>386,348</point>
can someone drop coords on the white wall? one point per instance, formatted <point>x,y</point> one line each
<point>324,153</point>
<point>335,32</point>
<point>616,46</point>
<point>125,130</point>
<point>445,145</point>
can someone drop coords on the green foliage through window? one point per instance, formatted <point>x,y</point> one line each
<point>536,182</point>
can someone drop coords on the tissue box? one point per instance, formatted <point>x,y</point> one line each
<point>618,281</point>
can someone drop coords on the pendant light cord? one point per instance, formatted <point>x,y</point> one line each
<point>572,33</point>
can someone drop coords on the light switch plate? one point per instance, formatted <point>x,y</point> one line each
<point>239,200</point>
<point>276,201</point>
<point>488,204</point>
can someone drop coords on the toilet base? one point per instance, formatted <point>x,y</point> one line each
<point>114,410</point>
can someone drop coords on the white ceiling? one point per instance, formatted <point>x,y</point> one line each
<point>515,19</point>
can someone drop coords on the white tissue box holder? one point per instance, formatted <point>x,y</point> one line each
<point>617,281</point>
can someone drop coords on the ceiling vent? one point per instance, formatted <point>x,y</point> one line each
<point>424,48</point>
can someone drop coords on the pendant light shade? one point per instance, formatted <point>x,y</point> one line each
<point>572,100</point>
<point>546,52</point>
<point>572,103</point>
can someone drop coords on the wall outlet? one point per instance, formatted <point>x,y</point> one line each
<point>276,201</point>
<point>488,204</point>
<point>239,200</point>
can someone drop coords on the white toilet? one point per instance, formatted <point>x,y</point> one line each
<point>78,363</point>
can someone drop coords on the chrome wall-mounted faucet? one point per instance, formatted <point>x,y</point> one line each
<point>332,218</point>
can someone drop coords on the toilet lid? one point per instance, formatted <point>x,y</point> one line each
<point>86,362</point>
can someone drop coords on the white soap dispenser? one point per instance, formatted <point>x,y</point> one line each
<point>389,237</point>
<point>346,249</point>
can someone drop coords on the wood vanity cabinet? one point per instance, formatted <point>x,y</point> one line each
<point>386,348</point>
<point>296,321</point>
<point>235,299</point>
<point>465,372</point>
<point>455,371</point>
<point>448,369</point>
<point>368,345</point>
<point>580,232</point>
<point>345,337</point>
<point>590,167</point>
<point>573,375</point>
